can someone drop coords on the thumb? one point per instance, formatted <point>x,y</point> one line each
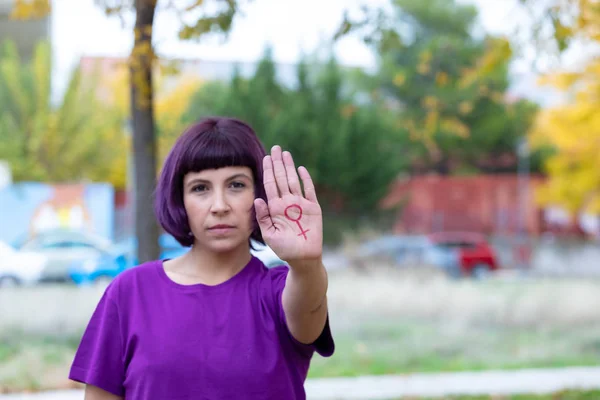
<point>262,214</point>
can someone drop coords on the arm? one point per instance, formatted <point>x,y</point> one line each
<point>305,300</point>
<point>95,393</point>
<point>292,225</point>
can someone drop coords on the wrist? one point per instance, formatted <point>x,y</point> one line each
<point>306,265</point>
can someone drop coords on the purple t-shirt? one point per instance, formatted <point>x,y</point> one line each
<point>151,338</point>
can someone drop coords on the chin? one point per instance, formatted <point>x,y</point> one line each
<point>224,245</point>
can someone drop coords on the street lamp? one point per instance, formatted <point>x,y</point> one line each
<point>523,183</point>
<point>523,174</point>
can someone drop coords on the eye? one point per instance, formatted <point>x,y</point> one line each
<point>238,185</point>
<point>198,188</point>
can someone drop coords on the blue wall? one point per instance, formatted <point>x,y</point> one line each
<point>28,207</point>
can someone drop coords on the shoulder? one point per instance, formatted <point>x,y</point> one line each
<point>267,280</point>
<point>139,275</point>
<point>272,282</point>
<point>270,275</point>
<point>278,273</point>
<point>145,271</point>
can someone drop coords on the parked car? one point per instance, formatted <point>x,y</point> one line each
<point>107,267</point>
<point>407,251</point>
<point>266,255</point>
<point>20,267</point>
<point>171,248</point>
<point>64,247</point>
<point>98,270</point>
<point>477,257</point>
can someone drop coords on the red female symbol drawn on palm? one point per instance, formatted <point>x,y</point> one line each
<point>297,220</point>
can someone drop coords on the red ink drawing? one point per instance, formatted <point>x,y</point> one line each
<point>297,220</point>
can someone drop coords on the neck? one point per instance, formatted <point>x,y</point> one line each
<point>214,267</point>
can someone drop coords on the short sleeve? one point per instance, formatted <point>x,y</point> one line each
<point>324,345</point>
<point>99,357</point>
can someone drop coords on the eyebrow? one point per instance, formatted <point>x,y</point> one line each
<point>200,180</point>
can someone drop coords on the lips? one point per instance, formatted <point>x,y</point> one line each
<point>221,227</point>
<point>221,230</point>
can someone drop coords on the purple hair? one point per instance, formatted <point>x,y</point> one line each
<point>213,142</point>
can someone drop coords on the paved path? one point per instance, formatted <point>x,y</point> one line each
<point>432,385</point>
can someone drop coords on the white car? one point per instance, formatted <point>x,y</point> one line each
<point>266,255</point>
<point>20,267</point>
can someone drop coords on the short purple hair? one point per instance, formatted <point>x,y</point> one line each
<point>213,142</point>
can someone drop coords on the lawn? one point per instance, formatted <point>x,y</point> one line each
<point>387,347</point>
<point>566,395</point>
<point>382,323</point>
<point>373,347</point>
<point>35,363</point>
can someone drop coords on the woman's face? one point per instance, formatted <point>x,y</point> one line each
<point>219,205</point>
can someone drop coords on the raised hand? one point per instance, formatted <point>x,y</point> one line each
<point>291,223</point>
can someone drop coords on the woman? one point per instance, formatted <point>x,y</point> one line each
<point>215,323</point>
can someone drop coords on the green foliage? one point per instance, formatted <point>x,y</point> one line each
<point>448,86</point>
<point>74,140</point>
<point>570,129</point>
<point>351,149</point>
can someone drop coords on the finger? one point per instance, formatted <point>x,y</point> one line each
<point>292,176</point>
<point>262,215</point>
<point>279,171</point>
<point>309,187</point>
<point>269,179</point>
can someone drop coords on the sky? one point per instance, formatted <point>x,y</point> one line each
<point>79,28</point>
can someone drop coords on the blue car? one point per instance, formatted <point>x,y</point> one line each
<point>98,270</point>
<point>107,265</point>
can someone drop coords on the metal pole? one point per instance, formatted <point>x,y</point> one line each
<point>523,188</point>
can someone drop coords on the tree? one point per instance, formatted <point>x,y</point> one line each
<point>319,118</point>
<point>141,62</point>
<point>572,128</point>
<point>43,142</point>
<point>172,96</point>
<point>447,86</point>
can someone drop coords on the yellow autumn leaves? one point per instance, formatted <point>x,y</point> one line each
<point>573,127</point>
<point>172,95</point>
<point>84,135</point>
<point>30,9</point>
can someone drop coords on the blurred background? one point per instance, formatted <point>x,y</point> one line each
<point>454,146</point>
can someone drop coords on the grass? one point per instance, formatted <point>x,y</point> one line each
<point>418,346</point>
<point>404,323</point>
<point>34,363</point>
<point>374,347</point>
<point>37,363</point>
<point>383,323</point>
<point>565,395</point>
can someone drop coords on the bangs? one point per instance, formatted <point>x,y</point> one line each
<point>217,150</point>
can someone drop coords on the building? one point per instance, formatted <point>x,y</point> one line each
<point>26,34</point>
<point>489,204</point>
<point>204,70</point>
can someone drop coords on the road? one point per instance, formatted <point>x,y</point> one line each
<point>432,385</point>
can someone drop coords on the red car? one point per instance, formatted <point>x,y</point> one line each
<point>477,257</point>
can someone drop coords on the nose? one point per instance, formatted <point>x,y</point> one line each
<point>219,204</point>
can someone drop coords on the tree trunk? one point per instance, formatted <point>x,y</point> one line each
<point>144,141</point>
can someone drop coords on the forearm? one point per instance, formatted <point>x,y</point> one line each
<point>95,393</point>
<point>305,300</point>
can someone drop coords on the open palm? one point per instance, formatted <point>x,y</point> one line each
<point>291,223</point>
